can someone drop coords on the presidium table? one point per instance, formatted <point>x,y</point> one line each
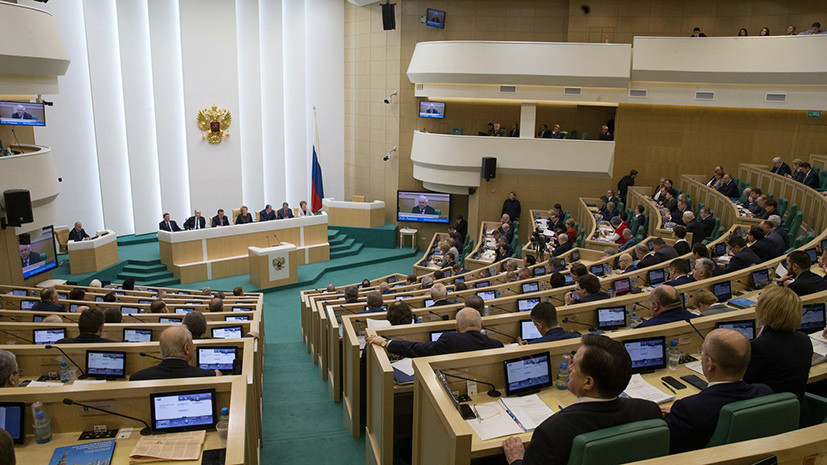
<point>211,253</point>
<point>93,254</point>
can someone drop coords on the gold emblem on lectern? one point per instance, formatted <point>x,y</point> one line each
<point>213,123</point>
<point>278,263</point>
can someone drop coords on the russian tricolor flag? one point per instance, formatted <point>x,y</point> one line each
<point>317,189</point>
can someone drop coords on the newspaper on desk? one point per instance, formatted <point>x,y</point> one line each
<point>164,447</point>
<point>638,388</point>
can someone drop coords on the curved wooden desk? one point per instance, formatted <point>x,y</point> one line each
<point>95,254</point>
<point>355,214</point>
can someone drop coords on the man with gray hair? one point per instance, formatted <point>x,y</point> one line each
<point>666,307</point>
<point>48,301</point>
<point>629,240</point>
<point>422,206</point>
<point>178,350</point>
<point>351,294</point>
<point>467,337</point>
<point>53,319</point>
<point>779,167</point>
<point>704,268</point>
<point>9,373</point>
<point>775,232</point>
<point>625,263</point>
<point>426,282</point>
<point>439,294</point>
<point>563,247</point>
<point>374,301</point>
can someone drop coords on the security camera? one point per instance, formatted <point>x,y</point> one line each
<point>388,155</point>
<point>390,97</point>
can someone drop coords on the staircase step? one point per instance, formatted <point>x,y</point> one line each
<point>352,250</point>
<point>134,268</point>
<point>165,282</point>
<point>145,276</point>
<point>132,261</point>
<point>337,239</point>
<point>343,245</point>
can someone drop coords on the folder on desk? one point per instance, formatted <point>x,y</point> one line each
<point>403,372</point>
<point>742,303</point>
<point>89,452</point>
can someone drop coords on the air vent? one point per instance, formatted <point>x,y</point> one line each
<point>420,87</point>
<point>508,89</point>
<point>775,98</point>
<point>639,93</point>
<point>572,91</point>
<point>704,95</point>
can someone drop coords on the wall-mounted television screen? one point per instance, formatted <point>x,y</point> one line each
<point>435,18</point>
<point>37,251</point>
<point>423,207</point>
<point>22,114</point>
<point>431,109</point>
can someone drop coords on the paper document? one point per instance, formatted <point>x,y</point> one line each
<point>377,323</point>
<point>163,447</point>
<point>362,342</point>
<point>819,343</point>
<point>45,384</point>
<point>695,366</point>
<point>528,411</point>
<point>405,366</point>
<point>80,382</point>
<point>781,271</point>
<point>493,421</point>
<point>638,388</point>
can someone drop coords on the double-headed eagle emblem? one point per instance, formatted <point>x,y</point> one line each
<point>213,123</point>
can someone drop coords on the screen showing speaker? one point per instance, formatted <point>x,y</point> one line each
<point>22,114</point>
<point>37,254</point>
<point>435,18</point>
<point>423,207</point>
<point>431,109</point>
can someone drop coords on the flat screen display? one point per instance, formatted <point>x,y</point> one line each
<point>216,358</point>
<point>482,284</point>
<point>22,114</point>
<point>391,279</point>
<point>169,320</point>
<point>237,318</point>
<point>812,318</point>
<point>431,109</point>
<point>435,18</point>
<point>530,287</point>
<point>813,254</point>
<point>183,310</point>
<point>597,270</point>
<point>611,317</point>
<point>423,207</point>
<point>137,335</point>
<point>105,364</point>
<point>37,252</point>
<point>183,411</point>
<point>19,292</point>
<point>73,308</point>
<point>526,305</point>
<point>657,277</point>
<point>487,295</point>
<point>38,318</point>
<point>745,327</point>
<point>719,250</point>
<point>62,295</point>
<point>569,279</point>
<point>26,304</point>
<point>539,270</point>
<point>527,374</point>
<point>723,291</point>
<point>242,309</point>
<point>12,420</point>
<point>428,302</point>
<point>227,332</point>
<point>622,286</point>
<point>129,310</point>
<point>760,278</point>
<point>48,336</point>
<point>459,279</point>
<point>400,297</point>
<point>528,331</point>
<point>647,354</point>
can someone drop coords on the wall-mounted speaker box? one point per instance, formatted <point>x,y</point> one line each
<point>18,207</point>
<point>489,167</point>
<point>388,17</point>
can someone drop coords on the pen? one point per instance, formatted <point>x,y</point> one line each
<point>560,406</point>
<point>475,411</point>
<point>668,387</point>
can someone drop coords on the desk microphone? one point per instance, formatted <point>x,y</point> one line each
<point>695,328</point>
<point>444,317</point>
<point>485,330</point>
<point>510,290</point>
<point>82,373</point>
<point>569,320</point>
<point>492,393</point>
<point>144,432</point>
<point>9,333</point>
<point>352,312</point>
<point>9,317</point>
<point>641,305</point>
<point>144,354</point>
<point>133,316</point>
<point>500,308</point>
<point>460,297</point>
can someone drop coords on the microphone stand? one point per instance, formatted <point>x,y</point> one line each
<point>500,333</point>
<point>492,393</point>
<point>82,373</point>
<point>144,432</point>
<point>569,320</point>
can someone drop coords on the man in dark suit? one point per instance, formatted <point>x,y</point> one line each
<point>90,325</point>
<point>21,113</point>
<point>178,351</point>
<point>422,206</point>
<point>587,289</point>
<point>467,337</point>
<point>267,214</point>
<point>625,183</point>
<point>599,372</point>
<point>168,224</point>
<point>707,224</point>
<point>810,176</point>
<point>285,212</point>
<point>555,133</point>
<point>799,277</point>
<point>563,247</point>
<point>668,199</point>
<point>724,360</point>
<point>374,303</point>
<point>605,134</point>
<point>48,301</point>
<point>544,317</point>
<point>27,257</point>
<point>729,188</point>
<point>219,219</point>
<point>195,222</point>
<point>666,306</point>
<point>439,294</point>
<point>511,206</point>
<point>677,214</point>
<point>625,263</point>
<point>77,233</point>
<point>694,227</point>
<point>765,248</point>
<point>679,272</point>
<point>660,253</point>
<point>779,167</point>
<point>611,197</point>
<point>462,226</point>
<point>544,132</point>
<point>556,222</point>
<point>742,256</point>
<point>681,246</point>
<point>774,231</point>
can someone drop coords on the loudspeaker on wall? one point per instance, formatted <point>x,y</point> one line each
<point>18,207</point>
<point>388,17</point>
<point>489,167</point>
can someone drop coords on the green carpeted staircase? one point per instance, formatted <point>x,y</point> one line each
<point>148,273</point>
<point>341,245</point>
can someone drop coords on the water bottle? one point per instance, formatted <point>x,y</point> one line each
<point>635,320</point>
<point>486,311</point>
<point>674,354</point>
<point>562,377</point>
<point>41,424</point>
<point>223,423</point>
<point>65,374</point>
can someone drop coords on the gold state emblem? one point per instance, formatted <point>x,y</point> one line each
<point>278,263</point>
<point>213,123</point>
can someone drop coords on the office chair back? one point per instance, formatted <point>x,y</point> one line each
<point>756,418</point>
<point>631,442</point>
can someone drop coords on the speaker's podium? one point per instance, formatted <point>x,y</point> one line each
<point>93,254</point>
<point>273,266</point>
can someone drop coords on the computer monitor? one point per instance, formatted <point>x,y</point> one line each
<point>459,279</point>
<point>435,334</point>
<point>400,297</point>
<point>539,270</point>
<point>611,317</point>
<point>528,331</point>
<point>527,374</point>
<point>169,320</point>
<point>98,298</point>
<point>73,308</point>
<point>569,279</point>
<point>575,256</point>
<point>428,302</point>
<point>24,113</point>
<point>622,286</point>
<point>216,358</point>
<point>487,295</point>
<point>391,279</point>
<point>760,278</point>
<point>137,335</point>
<point>227,332</point>
<point>237,318</point>
<point>482,284</point>
<point>651,245</point>
<point>38,318</point>
<point>242,309</point>
<point>48,336</point>
<point>20,292</point>
<point>647,354</point>
<point>106,364</point>
<point>745,327</point>
<point>446,273</point>
<point>656,277</point>
<point>812,318</point>
<point>37,251</point>
<point>62,295</point>
<point>597,270</point>
<point>530,287</point>
<point>723,291</point>
<point>435,18</point>
<point>26,304</point>
<point>526,305</point>
<point>129,310</point>
<point>719,249</point>
<point>183,310</point>
<point>120,294</point>
<point>813,254</point>
<point>144,302</point>
<point>13,416</point>
<point>183,410</point>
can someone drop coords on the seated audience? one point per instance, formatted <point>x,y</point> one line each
<point>128,284</point>
<point>571,230</point>
<point>158,306</point>
<point>729,188</point>
<point>765,248</point>
<point>267,214</point>
<point>724,359</point>
<point>216,305</point>
<point>577,271</point>
<point>810,178</point>
<point>9,371</point>
<point>496,131</point>
<point>742,257</point>
<point>599,373</point>
<point>244,216</point>
<point>330,288</point>
<point>772,229</point>
<point>196,323</point>
<point>625,264</point>
<point>177,351</point>
<point>53,319</point>
<point>587,289</point>
<point>48,301</point>
<point>285,212</point>
<point>374,301</point>
<point>679,234</point>
<point>555,280</point>
<point>659,254</point>
<point>439,294</point>
<point>238,291</point>
<point>195,222</point>
<point>779,167</point>
<point>699,251</point>
<point>77,233</point>
<point>564,245</point>
<point>707,225</point>
<point>556,133</point>
<point>797,174</point>
<point>666,307</point>
<point>707,304</point>
<point>704,268</point>
<point>799,278</point>
<point>605,134</point>
<point>168,224</point>
<point>676,215</point>
<point>303,210</point>
<point>629,240</point>
<point>220,219</point>
<point>90,326</point>
<point>365,283</point>
<point>112,315</point>
<point>385,289</point>
<point>544,132</point>
<point>351,294</point>
<point>679,272</point>
<point>544,317</point>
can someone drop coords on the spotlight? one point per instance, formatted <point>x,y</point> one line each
<point>388,155</point>
<point>389,98</point>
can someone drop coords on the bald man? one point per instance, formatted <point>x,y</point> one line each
<point>178,350</point>
<point>692,420</point>
<point>666,306</point>
<point>195,222</point>
<point>467,337</point>
<point>77,233</point>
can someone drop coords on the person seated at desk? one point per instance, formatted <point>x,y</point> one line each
<point>742,256</point>
<point>439,294</point>
<point>564,245</point>
<point>679,272</point>
<point>629,241</point>
<point>799,278</point>
<point>9,371</point>
<point>158,306</point>
<point>267,214</point>
<point>27,257</point>
<point>681,246</point>
<point>77,294</point>
<point>77,233</point>
<point>216,305</point>
<point>244,217</point>
<point>467,337</point>
<point>496,130</point>
<point>764,247</point>
<point>587,289</point>
<point>659,254</point>
<point>219,219</point>
<point>503,251</point>
<point>625,264</point>
<point>374,301</point>
<point>600,370</point>
<point>48,301</point>
<point>168,224</point>
<point>177,350</point>
<point>112,315</point>
<point>556,265</point>
<point>385,289</point>
<point>707,304</point>
<point>728,187</point>
<point>351,294</point>
<point>53,319</point>
<point>779,167</point>
<point>422,206</point>
<point>303,210</point>
<point>523,274</point>
<point>666,307</point>
<point>285,212</point>
<point>21,113</point>
<point>704,267</point>
<point>610,211</point>
<point>458,269</point>
<point>196,322</point>
<point>810,178</point>
<point>544,317</point>
<point>90,325</point>
<point>776,233</point>
<point>195,222</point>
<point>724,359</point>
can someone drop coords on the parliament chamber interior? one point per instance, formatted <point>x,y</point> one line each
<point>463,232</point>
